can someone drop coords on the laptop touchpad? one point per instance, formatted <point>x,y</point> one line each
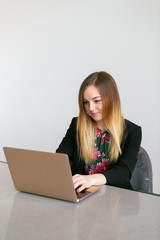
<point>82,194</point>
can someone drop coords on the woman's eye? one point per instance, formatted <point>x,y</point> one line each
<point>84,102</point>
<point>97,101</point>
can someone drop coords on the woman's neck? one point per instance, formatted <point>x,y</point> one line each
<point>100,126</point>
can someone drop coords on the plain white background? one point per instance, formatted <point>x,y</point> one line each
<point>48,47</point>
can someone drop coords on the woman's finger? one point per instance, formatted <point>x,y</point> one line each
<point>81,182</point>
<point>81,188</point>
<point>76,178</point>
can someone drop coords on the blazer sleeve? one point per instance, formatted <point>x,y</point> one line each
<point>67,144</point>
<point>120,173</point>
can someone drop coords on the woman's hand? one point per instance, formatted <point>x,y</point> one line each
<point>84,181</point>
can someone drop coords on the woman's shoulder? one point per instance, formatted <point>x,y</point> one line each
<point>132,129</point>
<point>132,133</point>
<point>73,125</point>
<point>74,121</point>
<point>129,126</point>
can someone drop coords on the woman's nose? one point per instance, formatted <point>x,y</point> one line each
<point>91,106</point>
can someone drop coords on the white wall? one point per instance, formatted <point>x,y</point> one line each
<point>48,47</point>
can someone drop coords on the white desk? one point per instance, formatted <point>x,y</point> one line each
<point>111,213</point>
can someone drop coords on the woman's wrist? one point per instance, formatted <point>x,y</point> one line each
<point>98,179</point>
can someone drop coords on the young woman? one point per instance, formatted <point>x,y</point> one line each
<point>102,146</point>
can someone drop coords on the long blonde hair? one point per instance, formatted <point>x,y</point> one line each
<point>113,120</point>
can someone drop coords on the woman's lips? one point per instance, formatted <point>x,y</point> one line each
<point>94,114</point>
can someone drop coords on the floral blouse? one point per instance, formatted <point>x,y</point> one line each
<point>101,153</point>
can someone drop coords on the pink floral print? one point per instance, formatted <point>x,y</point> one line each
<point>100,154</point>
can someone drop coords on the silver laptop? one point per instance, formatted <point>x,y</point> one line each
<point>43,173</point>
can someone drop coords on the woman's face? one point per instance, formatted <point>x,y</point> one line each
<point>93,103</point>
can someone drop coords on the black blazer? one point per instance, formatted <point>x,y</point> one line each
<point>119,174</point>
